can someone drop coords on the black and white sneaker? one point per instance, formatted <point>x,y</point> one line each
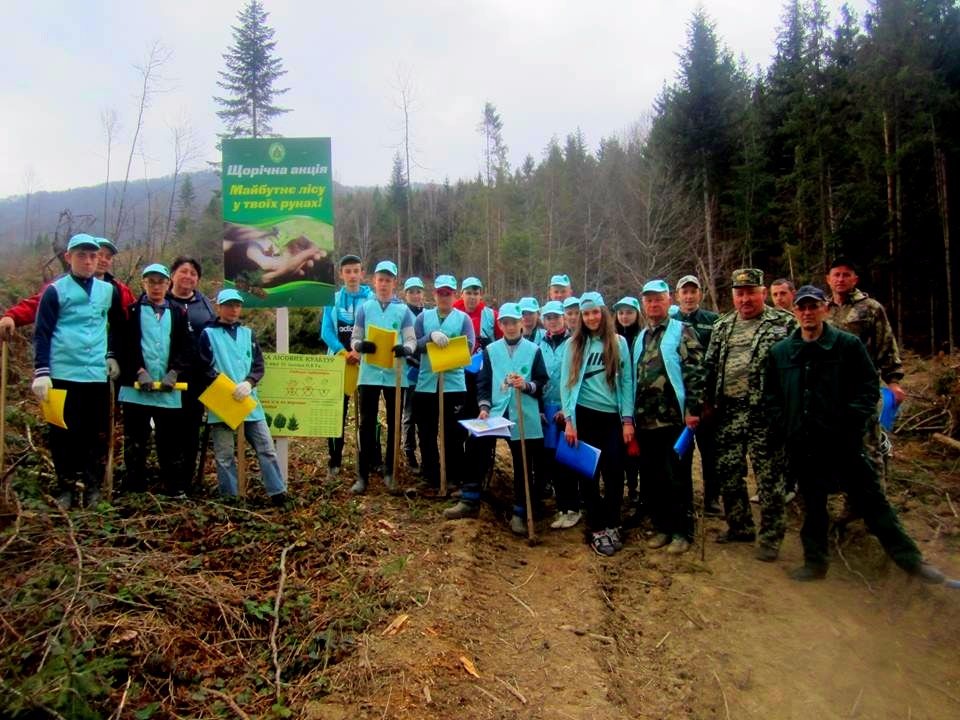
<point>615,539</point>
<point>601,544</point>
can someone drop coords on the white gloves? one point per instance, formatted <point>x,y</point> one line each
<point>41,386</point>
<point>113,368</point>
<point>439,339</point>
<point>242,390</point>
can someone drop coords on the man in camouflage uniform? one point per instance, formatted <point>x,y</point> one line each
<point>854,311</point>
<point>689,297</point>
<point>668,369</point>
<point>734,364</point>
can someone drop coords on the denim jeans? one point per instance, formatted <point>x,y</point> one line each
<point>259,438</point>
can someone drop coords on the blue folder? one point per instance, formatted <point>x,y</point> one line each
<point>684,443</point>
<point>476,363</point>
<point>582,458</point>
<point>890,409</point>
<point>551,433</point>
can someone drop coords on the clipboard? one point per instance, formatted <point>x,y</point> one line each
<point>455,355</point>
<point>157,385</point>
<point>384,340</point>
<point>684,443</point>
<point>552,432</point>
<point>53,406</point>
<point>582,458</point>
<point>351,375</point>
<point>219,399</point>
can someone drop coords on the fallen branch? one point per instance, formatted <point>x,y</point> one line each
<point>51,638</point>
<point>723,694</point>
<point>836,540</point>
<point>856,704</point>
<point>586,633</point>
<point>521,602</point>
<point>123,698</point>
<point>490,695</point>
<point>276,619</point>
<point>948,441</point>
<point>19,520</point>
<point>662,640</point>
<point>231,703</point>
<point>511,689</point>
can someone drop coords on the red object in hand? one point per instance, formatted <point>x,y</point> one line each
<point>633,448</point>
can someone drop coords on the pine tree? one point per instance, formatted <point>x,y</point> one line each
<point>249,78</point>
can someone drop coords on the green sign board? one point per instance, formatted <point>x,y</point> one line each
<point>302,395</point>
<point>278,221</point>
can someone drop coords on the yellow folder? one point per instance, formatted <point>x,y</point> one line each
<point>453,356</point>
<point>53,407</point>
<point>384,340</point>
<point>219,398</point>
<point>157,384</point>
<point>351,375</point>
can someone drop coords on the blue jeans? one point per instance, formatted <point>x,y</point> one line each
<point>259,438</point>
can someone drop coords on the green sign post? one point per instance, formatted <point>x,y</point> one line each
<point>278,221</point>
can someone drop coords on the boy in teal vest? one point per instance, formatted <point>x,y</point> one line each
<point>439,325</point>
<point>508,364</point>
<point>388,312</point>
<point>228,347</point>
<point>532,329</point>
<point>156,347</point>
<point>413,297</point>
<point>560,288</point>
<point>73,350</point>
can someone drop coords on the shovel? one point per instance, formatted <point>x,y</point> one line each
<point>532,538</point>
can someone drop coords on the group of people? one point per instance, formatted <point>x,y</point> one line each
<point>778,384</point>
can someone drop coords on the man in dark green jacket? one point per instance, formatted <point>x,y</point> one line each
<point>821,393</point>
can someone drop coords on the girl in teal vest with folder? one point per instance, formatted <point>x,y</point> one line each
<point>597,398</point>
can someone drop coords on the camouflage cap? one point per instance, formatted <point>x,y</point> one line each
<point>747,277</point>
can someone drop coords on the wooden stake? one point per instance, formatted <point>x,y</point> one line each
<point>356,428</point>
<point>108,474</point>
<point>443,440</point>
<point>241,460</point>
<point>3,419</point>
<point>397,416</point>
<point>531,534</point>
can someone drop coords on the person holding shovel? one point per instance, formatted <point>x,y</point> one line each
<point>156,347</point>
<point>230,348</point>
<point>439,325</point>
<point>510,365</point>
<point>387,312</point>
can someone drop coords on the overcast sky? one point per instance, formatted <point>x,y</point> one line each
<point>549,66</point>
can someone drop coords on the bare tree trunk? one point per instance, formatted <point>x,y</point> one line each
<point>184,151</point>
<point>943,204</point>
<point>29,180</point>
<point>708,234</point>
<point>108,118</point>
<point>893,225</point>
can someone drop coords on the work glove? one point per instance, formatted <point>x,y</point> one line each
<point>242,390</point>
<point>367,347</point>
<point>146,382</point>
<point>113,368</point>
<point>41,386</point>
<point>439,339</point>
<point>169,380</point>
<point>401,351</point>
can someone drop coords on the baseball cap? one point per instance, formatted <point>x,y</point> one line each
<point>688,280</point>
<point>228,295</point>
<point>445,281</point>
<point>350,259</point>
<point>413,282</point>
<point>157,268</point>
<point>529,304</point>
<point>510,311</point>
<point>386,266</point>
<point>103,242</point>
<point>562,280</point>
<point>591,300</point>
<point>82,240</point>
<point>655,286</point>
<point>471,282</point>
<point>554,307</point>
<point>842,261</point>
<point>628,301</point>
<point>572,301</point>
<point>747,277</point>
<point>809,292</point>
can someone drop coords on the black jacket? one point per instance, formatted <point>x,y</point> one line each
<point>130,355</point>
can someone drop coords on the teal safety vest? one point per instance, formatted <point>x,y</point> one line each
<point>233,358</point>
<point>155,346</point>
<point>669,347</point>
<point>452,326</point>
<point>389,319</point>
<point>502,398</point>
<point>78,346</point>
<point>553,359</point>
<point>487,324</point>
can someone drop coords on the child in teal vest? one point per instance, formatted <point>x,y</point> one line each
<point>156,347</point>
<point>73,351</point>
<point>508,364</point>
<point>228,347</point>
<point>388,312</point>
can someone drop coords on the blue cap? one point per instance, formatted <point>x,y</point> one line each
<point>445,281</point>
<point>529,304</point>
<point>386,266</point>
<point>412,282</point>
<point>627,301</point>
<point>471,282</point>
<point>158,268</point>
<point>103,242</point>
<point>562,280</point>
<point>82,240</point>
<point>510,311</point>
<point>655,286</point>
<point>591,300</point>
<point>228,295</point>
<point>554,307</point>
<point>572,301</point>
<point>809,292</point>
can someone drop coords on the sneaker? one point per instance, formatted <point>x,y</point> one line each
<point>333,470</point>
<point>678,545</point>
<point>560,522</point>
<point>789,497</point>
<point>359,487</point>
<point>65,500</point>
<point>601,544</point>
<point>713,509</point>
<point>390,484</point>
<point>278,500</point>
<point>615,540</point>
<point>518,526</point>
<point>806,573</point>
<point>741,536</point>
<point>658,541</point>
<point>766,553</point>
<point>928,573</point>
<point>461,510</point>
<point>571,518</point>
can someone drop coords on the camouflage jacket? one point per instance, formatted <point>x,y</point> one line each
<point>774,326</point>
<point>702,323</point>
<point>655,400</point>
<point>864,317</point>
